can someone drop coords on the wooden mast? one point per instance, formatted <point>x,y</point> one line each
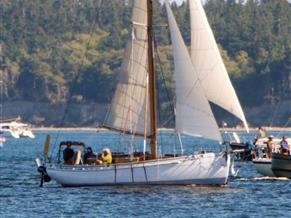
<point>152,81</point>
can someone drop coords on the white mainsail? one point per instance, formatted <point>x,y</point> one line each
<point>127,112</point>
<point>208,63</point>
<point>193,113</point>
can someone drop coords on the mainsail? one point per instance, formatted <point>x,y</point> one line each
<point>128,108</point>
<point>208,63</point>
<point>193,113</point>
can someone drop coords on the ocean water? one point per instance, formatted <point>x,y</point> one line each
<point>247,195</point>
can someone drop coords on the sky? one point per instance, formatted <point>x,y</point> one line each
<point>180,1</point>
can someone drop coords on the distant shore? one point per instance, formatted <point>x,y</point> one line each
<point>162,129</point>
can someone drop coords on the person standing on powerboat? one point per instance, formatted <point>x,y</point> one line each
<point>284,147</point>
<point>261,132</point>
<point>270,146</point>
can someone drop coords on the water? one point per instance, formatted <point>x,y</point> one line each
<point>247,195</point>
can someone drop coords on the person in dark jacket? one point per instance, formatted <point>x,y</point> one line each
<point>89,156</point>
<point>68,155</point>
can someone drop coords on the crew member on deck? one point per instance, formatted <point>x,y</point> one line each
<point>270,146</point>
<point>261,132</point>
<point>89,156</point>
<point>284,146</point>
<point>68,155</point>
<point>106,156</point>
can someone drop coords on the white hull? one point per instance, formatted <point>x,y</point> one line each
<point>202,169</point>
<point>263,166</point>
<point>17,129</point>
<point>19,133</point>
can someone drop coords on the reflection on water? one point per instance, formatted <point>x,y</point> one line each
<point>247,195</point>
<point>263,178</point>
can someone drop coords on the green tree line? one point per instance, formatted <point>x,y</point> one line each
<point>55,49</point>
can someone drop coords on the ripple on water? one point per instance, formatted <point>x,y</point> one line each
<point>248,195</point>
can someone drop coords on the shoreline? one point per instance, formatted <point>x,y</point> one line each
<point>95,129</point>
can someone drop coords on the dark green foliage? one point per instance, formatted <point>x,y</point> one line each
<point>51,46</point>
<point>262,31</point>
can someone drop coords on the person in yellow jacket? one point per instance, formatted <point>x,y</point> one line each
<point>106,156</point>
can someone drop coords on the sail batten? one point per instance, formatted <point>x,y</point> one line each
<point>208,62</point>
<point>193,113</point>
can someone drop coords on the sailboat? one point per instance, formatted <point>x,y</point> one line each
<point>133,110</point>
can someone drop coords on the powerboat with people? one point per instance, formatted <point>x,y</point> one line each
<point>268,152</point>
<point>281,162</point>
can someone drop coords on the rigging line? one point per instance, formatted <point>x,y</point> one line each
<point>1,103</point>
<point>73,87</point>
<point>159,87</point>
<point>1,83</point>
<point>131,94</point>
<point>2,77</point>
<point>286,124</point>
<point>159,91</point>
<point>172,107</point>
<point>275,113</point>
<point>1,92</point>
<point>279,104</point>
<point>163,78</point>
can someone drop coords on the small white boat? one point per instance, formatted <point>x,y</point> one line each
<point>264,166</point>
<point>17,129</point>
<point>275,166</point>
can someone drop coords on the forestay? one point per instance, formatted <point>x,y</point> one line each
<point>193,113</point>
<point>127,112</point>
<point>208,63</point>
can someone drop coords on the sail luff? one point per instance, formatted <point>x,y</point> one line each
<point>208,63</point>
<point>193,113</point>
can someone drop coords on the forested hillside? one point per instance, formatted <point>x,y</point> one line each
<point>58,51</point>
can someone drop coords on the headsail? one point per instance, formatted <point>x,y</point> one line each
<point>127,112</point>
<point>208,63</point>
<point>193,112</point>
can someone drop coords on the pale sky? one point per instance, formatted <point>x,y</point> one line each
<point>180,1</point>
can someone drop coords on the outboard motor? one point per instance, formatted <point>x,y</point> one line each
<point>44,177</point>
